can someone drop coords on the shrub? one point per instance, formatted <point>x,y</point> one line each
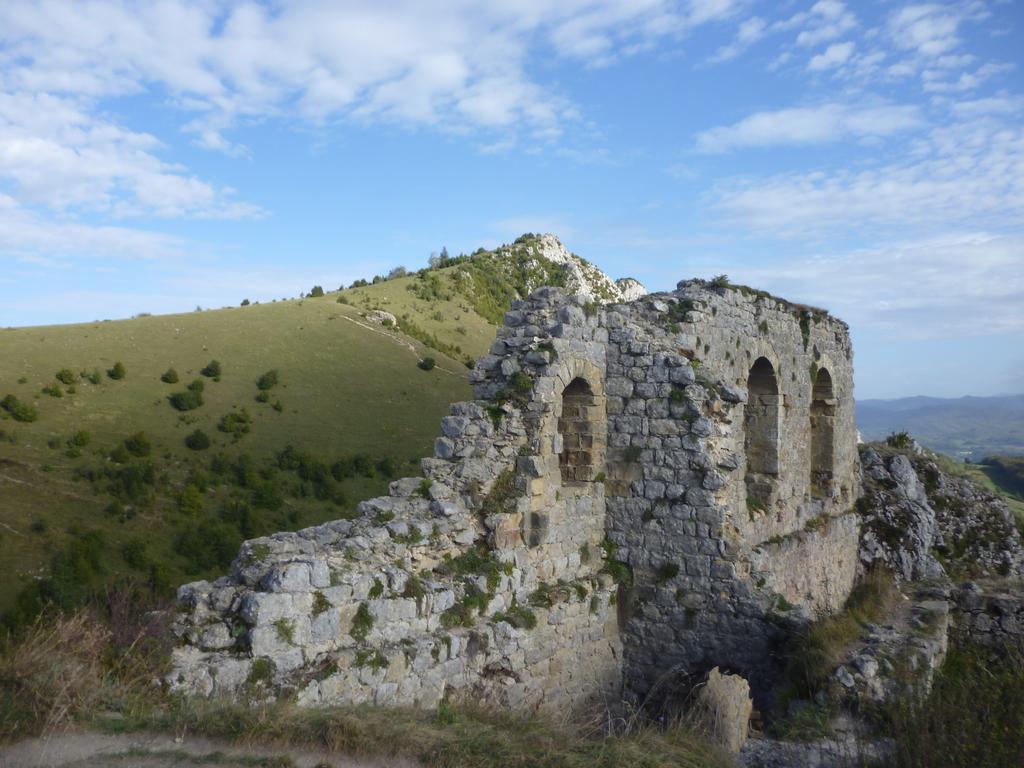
<point>268,380</point>
<point>94,377</point>
<point>197,440</point>
<point>236,423</point>
<point>899,440</point>
<point>18,410</point>
<point>186,401</point>
<point>518,616</point>
<point>197,385</point>
<point>245,302</point>
<point>120,455</point>
<point>80,439</point>
<point>316,292</point>
<point>170,376</point>
<point>138,444</point>
<point>211,370</point>
<point>362,623</point>
<point>65,376</point>
<point>118,372</point>
<point>53,390</point>
<point>427,363</point>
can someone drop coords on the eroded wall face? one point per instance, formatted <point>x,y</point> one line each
<point>711,499</point>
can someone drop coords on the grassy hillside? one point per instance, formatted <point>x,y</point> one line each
<point>104,476</point>
<point>72,495</point>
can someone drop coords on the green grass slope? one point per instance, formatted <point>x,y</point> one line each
<point>346,387</point>
<point>83,503</point>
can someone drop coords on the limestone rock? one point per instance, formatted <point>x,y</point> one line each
<point>727,704</point>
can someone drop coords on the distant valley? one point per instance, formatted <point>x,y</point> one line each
<point>965,427</point>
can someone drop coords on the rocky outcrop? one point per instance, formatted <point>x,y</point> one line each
<point>630,288</point>
<point>897,655</point>
<point>921,522</point>
<point>992,618</point>
<point>899,529</point>
<point>583,279</point>
<point>726,704</point>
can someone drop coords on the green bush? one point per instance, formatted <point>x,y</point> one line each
<point>245,302</point>
<point>118,372</point>
<point>18,410</point>
<point>186,401</point>
<point>899,440</point>
<point>94,377</point>
<point>197,440</point>
<point>212,370</point>
<point>427,363</point>
<point>138,444</point>
<point>65,376</point>
<point>268,380</point>
<point>80,439</point>
<point>316,292</point>
<point>362,623</point>
<point>53,390</point>
<point>197,385</point>
<point>236,423</point>
<point>170,376</point>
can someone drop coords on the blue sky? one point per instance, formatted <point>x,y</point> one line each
<point>866,157</point>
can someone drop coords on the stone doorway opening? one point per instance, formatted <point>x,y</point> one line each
<point>761,434</point>
<point>579,427</point>
<point>823,414</point>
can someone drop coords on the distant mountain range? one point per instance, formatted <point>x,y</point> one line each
<point>964,427</point>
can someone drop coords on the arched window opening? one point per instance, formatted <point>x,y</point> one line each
<point>761,433</point>
<point>577,426</point>
<point>823,416</point>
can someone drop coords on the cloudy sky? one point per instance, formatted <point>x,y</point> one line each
<point>866,157</point>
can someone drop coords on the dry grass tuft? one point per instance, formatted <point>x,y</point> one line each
<point>820,648</point>
<point>50,674</point>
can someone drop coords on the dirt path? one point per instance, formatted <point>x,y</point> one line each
<point>149,750</point>
<point>408,345</point>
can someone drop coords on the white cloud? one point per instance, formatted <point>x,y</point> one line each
<point>929,30</point>
<point>959,284</point>
<point>835,55</point>
<point>969,174</point>
<point>59,155</point>
<point>935,81</point>
<point>827,20</point>
<point>808,125</point>
<point>750,31</point>
<point>411,60</point>
<point>29,237</point>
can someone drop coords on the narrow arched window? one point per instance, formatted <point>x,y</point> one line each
<point>823,416</point>
<point>761,433</point>
<point>577,427</point>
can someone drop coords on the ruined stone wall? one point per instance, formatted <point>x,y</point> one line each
<point>583,528</point>
<point>716,580</point>
<point>480,581</point>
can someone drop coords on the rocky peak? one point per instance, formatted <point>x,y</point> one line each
<point>583,278</point>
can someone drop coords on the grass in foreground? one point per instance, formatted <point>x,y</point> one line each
<point>973,716</point>
<point>821,647</point>
<point>76,670</point>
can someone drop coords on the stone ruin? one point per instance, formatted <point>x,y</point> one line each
<point>638,492</point>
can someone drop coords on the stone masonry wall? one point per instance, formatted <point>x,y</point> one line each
<point>583,529</point>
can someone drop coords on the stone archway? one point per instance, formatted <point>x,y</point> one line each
<point>761,433</point>
<point>582,439</point>
<point>823,412</point>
